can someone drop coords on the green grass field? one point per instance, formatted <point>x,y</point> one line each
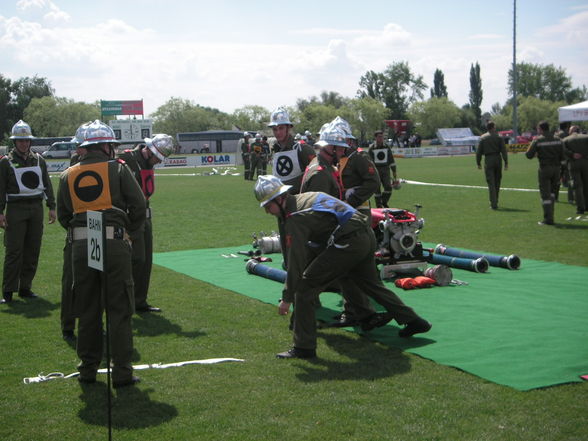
<point>356,390</point>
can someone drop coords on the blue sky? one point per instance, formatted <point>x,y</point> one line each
<point>228,54</point>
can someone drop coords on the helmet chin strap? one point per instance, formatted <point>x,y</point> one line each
<point>333,155</point>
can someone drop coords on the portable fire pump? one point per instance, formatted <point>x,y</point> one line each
<point>399,250</point>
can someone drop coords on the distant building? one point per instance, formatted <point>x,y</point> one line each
<point>210,141</point>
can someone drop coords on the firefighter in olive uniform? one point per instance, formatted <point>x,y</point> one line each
<point>256,149</point>
<point>322,175</point>
<point>381,155</point>
<point>492,147</point>
<point>359,181</point>
<point>24,184</point>
<point>246,156</point>
<point>67,316</point>
<point>100,183</point>
<point>576,149</point>
<point>141,161</point>
<point>266,154</point>
<point>549,151</point>
<point>290,158</point>
<point>344,246</point>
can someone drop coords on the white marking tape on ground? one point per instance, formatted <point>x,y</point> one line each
<point>466,186</point>
<point>54,375</point>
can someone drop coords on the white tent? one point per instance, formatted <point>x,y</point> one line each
<point>574,112</point>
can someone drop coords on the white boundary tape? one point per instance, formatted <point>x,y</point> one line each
<point>467,186</point>
<point>54,375</point>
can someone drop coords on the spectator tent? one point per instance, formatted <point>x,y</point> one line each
<point>574,112</point>
<point>458,136</point>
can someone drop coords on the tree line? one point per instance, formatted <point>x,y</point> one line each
<point>394,93</point>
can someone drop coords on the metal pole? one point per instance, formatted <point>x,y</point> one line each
<point>514,73</point>
<point>106,308</point>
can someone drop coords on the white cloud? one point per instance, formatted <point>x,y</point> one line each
<point>573,28</point>
<point>54,14</point>
<point>24,5</point>
<point>485,37</point>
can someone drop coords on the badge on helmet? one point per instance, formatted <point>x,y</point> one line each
<point>269,187</point>
<point>161,145</point>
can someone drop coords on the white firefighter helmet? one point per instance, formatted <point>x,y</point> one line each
<point>307,133</point>
<point>21,130</point>
<point>246,134</point>
<point>332,134</point>
<point>338,121</point>
<point>258,136</point>
<point>269,187</point>
<point>297,137</point>
<point>278,117</point>
<point>80,135</point>
<point>161,145</point>
<point>98,133</point>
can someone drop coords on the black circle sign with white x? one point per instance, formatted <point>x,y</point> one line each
<point>284,166</point>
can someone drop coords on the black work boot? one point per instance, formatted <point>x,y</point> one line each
<point>297,353</point>
<point>417,326</point>
<point>6,297</point>
<point>27,294</point>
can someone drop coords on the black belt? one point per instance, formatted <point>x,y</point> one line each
<point>27,200</point>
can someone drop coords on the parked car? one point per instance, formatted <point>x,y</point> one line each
<point>59,150</point>
<point>523,138</point>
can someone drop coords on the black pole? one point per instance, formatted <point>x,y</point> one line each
<point>106,308</point>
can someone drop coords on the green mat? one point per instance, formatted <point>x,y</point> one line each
<point>524,329</point>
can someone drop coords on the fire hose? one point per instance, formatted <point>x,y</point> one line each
<point>511,262</point>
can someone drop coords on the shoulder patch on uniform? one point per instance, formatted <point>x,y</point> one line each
<point>371,170</point>
<point>120,161</point>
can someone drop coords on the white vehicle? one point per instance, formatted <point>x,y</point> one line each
<point>60,150</point>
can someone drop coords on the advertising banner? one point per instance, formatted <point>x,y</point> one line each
<point>121,107</point>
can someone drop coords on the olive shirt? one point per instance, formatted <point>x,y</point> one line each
<point>127,198</point>
<point>305,154</point>
<point>136,162</point>
<point>304,224</point>
<point>359,178</point>
<point>321,176</point>
<point>8,182</point>
<point>576,143</point>
<point>492,147</point>
<point>549,150</point>
<point>382,156</point>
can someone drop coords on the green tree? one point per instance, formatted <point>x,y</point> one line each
<point>182,115</point>
<point>439,90</point>
<point>532,110</point>
<point>397,88</point>
<point>476,93</point>
<point>367,116</point>
<point>433,114</point>
<point>15,96</point>
<point>6,121</point>
<point>250,118</point>
<point>468,118</point>
<point>327,98</point>
<point>59,116</point>
<point>313,116</point>
<point>545,83</point>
